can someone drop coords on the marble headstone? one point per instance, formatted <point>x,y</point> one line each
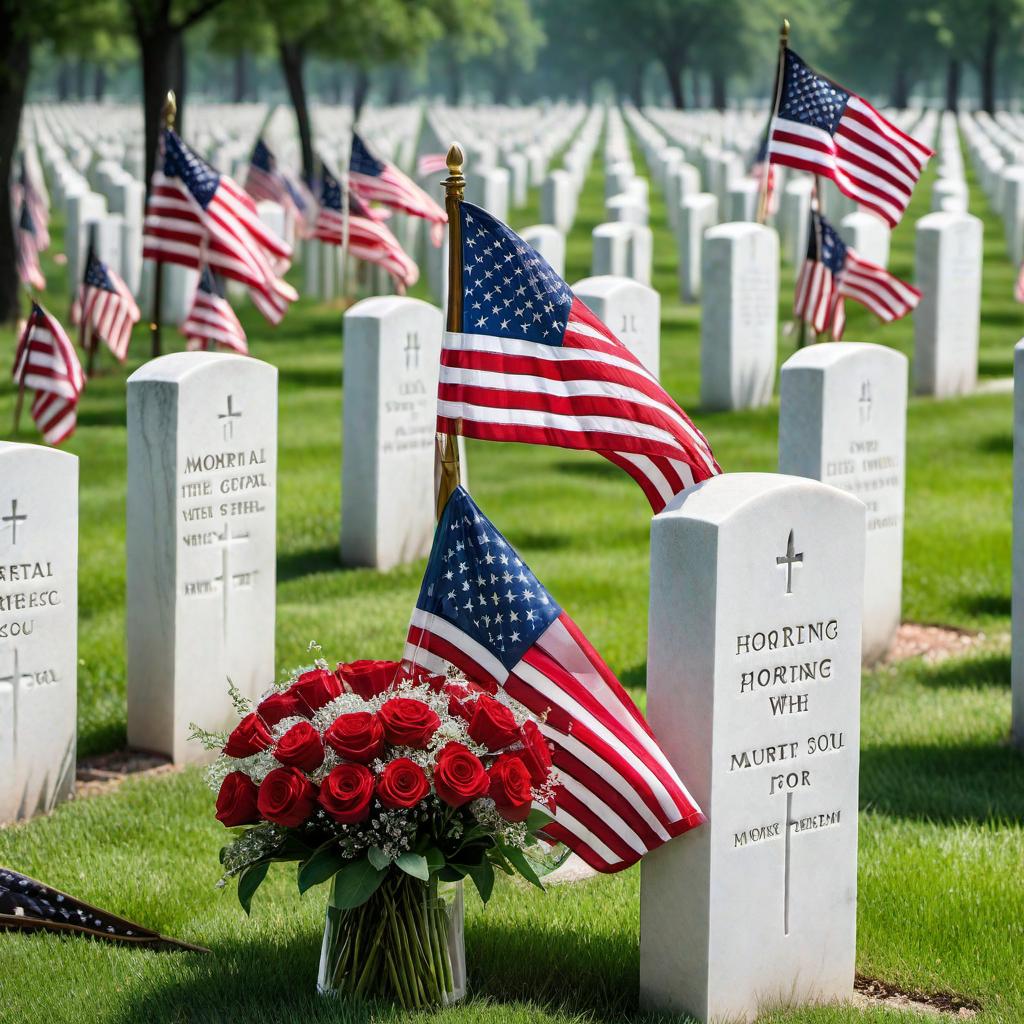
<point>696,214</point>
<point>632,312</point>
<point>549,242</point>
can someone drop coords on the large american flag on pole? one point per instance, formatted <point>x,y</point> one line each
<point>368,238</point>
<point>195,215</point>
<point>481,609</point>
<point>46,362</point>
<point>379,181</point>
<point>532,363</point>
<point>106,305</point>
<point>833,272</point>
<point>211,321</point>
<point>823,128</point>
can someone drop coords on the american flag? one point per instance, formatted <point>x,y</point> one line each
<point>265,180</point>
<point>46,362</point>
<point>533,364</point>
<point>368,239</point>
<point>1018,289</point>
<point>195,215</point>
<point>29,271</point>
<point>833,272</point>
<point>481,609</point>
<point>106,306</point>
<point>378,181</point>
<point>762,169</point>
<point>38,208</point>
<point>431,163</point>
<point>822,128</point>
<point>211,321</point>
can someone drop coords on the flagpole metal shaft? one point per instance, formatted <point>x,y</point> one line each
<point>168,113</point>
<point>447,467</point>
<point>780,69</point>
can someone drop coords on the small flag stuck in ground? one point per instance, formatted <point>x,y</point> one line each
<point>211,321</point>
<point>106,306</point>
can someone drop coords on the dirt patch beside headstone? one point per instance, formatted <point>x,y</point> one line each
<point>870,993</point>
<point>105,772</point>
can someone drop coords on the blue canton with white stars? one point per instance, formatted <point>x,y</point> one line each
<point>96,274</point>
<point>509,289</point>
<point>362,160</point>
<point>833,248</point>
<point>476,581</point>
<point>262,158</point>
<point>210,283</point>
<point>809,98</point>
<point>25,221</point>
<point>180,162</point>
<point>330,191</point>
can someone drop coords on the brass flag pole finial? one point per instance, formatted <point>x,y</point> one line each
<point>170,109</point>
<point>784,33</point>
<point>455,183</point>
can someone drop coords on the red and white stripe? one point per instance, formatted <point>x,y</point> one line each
<point>618,796</point>
<point>393,188</point>
<point>368,240</point>
<point>46,363</point>
<point>431,163</point>
<point>211,322</point>
<point>110,316</point>
<point>869,158</point>
<point>29,270</point>
<point>589,393</point>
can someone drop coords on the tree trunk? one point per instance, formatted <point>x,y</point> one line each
<point>697,84</point>
<point>396,86</point>
<point>81,74</point>
<point>293,58</point>
<point>988,62</point>
<point>674,65</point>
<point>637,84</point>
<point>719,99</point>
<point>241,83</point>
<point>953,85</point>
<point>360,90</point>
<point>99,83</point>
<point>15,54</point>
<point>160,54</point>
<point>455,81</point>
<point>900,95</point>
<point>63,81</point>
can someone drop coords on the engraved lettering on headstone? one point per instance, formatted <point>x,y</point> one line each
<point>14,519</point>
<point>791,557</point>
<point>412,350</point>
<point>864,402</point>
<point>629,324</point>
<point>229,418</point>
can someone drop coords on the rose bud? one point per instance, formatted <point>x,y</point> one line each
<point>357,736</point>
<point>312,690</point>
<point>459,776</point>
<point>510,787</point>
<point>286,797</point>
<point>300,747</point>
<point>402,784</point>
<point>250,736</point>
<point>236,801</point>
<point>346,792</point>
<point>408,722</point>
<point>493,725</point>
<point>368,678</point>
<point>279,705</point>
<point>536,754</point>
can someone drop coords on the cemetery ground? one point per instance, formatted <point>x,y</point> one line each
<point>941,905</point>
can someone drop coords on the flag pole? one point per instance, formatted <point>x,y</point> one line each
<point>170,108</point>
<point>780,70</point>
<point>446,463</point>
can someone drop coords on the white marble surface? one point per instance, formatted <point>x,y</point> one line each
<point>697,213</point>
<point>868,234</point>
<point>631,310</point>
<point>549,242</point>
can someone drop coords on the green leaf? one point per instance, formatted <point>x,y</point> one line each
<point>413,864</point>
<point>322,865</point>
<point>355,884</point>
<point>378,858</point>
<point>435,859</point>
<point>518,860</point>
<point>451,873</point>
<point>249,881</point>
<point>483,878</point>
<point>537,820</point>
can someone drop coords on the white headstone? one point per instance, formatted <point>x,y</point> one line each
<point>739,316</point>
<point>38,627</point>
<point>201,557</point>
<point>558,201</point>
<point>742,196</point>
<point>753,685</point>
<point>795,219</point>
<point>631,310</point>
<point>549,242</point>
<point>843,421</point>
<point>83,207</point>
<point>627,208</point>
<point>868,235</point>
<point>947,263</point>
<point>697,213</point>
<point>1017,608</point>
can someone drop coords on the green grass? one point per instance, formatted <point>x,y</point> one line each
<point>941,901</point>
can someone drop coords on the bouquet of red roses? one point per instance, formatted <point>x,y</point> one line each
<point>390,784</point>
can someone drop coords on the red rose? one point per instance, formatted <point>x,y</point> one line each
<point>459,776</point>
<point>312,690</point>
<point>402,784</point>
<point>368,678</point>
<point>408,722</point>
<point>421,677</point>
<point>493,725</point>
<point>286,797</point>
<point>280,705</point>
<point>236,801</point>
<point>536,754</point>
<point>346,792</point>
<point>357,736</point>
<point>301,747</point>
<point>459,702</point>
<point>249,737</point>
<point>510,787</point>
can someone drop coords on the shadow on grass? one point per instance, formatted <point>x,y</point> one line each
<point>93,416</point>
<point>985,604</point>
<point>997,444</point>
<point>317,380</point>
<point>600,468</point>
<point>635,675</point>
<point>308,563</point>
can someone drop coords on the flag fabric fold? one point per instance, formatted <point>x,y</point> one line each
<point>825,129</point>
<point>533,364</point>
<point>481,609</point>
<point>266,181</point>
<point>211,322</point>
<point>106,306</point>
<point>27,251</point>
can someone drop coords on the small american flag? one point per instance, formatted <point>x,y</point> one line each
<point>106,306</point>
<point>46,362</point>
<point>368,239</point>
<point>211,321</point>
<point>431,163</point>
<point>482,610</point>
<point>378,181</point>
<point>533,364</point>
<point>195,215</point>
<point>29,271</point>
<point>833,272</point>
<point>38,208</point>
<point>822,128</point>
<point>265,180</point>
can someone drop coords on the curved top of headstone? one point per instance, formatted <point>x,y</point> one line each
<point>945,218</point>
<point>720,498</point>
<point>831,354</point>
<point>18,448</point>
<point>541,229</point>
<point>178,365</point>
<point>379,306</point>
<point>604,285</point>
<point>738,229</point>
<point>614,227</point>
<point>864,217</point>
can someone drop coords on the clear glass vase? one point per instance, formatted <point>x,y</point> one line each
<point>405,944</point>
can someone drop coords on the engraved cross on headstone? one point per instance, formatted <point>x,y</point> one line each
<point>224,542</point>
<point>13,680</point>
<point>412,350</point>
<point>14,519</point>
<point>864,402</point>
<point>789,559</point>
<point>229,418</point>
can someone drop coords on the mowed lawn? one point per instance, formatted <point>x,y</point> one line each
<point>941,902</point>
